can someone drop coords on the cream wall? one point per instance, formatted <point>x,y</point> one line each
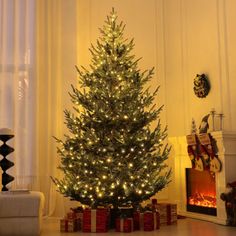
<point>180,38</point>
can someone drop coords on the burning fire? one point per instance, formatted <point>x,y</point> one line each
<point>201,199</point>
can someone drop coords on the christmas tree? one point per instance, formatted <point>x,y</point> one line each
<point>111,155</point>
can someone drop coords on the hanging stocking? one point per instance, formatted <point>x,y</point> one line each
<point>206,143</point>
<point>191,155</point>
<point>215,164</point>
<point>195,158</point>
<point>199,164</point>
<point>205,156</point>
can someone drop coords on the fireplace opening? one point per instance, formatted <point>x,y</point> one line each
<point>201,191</point>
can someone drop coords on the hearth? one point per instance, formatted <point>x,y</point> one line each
<point>201,191</point>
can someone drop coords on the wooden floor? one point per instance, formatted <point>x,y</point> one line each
<point>184,227</point>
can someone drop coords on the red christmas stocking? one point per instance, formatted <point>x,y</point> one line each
<point>213,162</point>
<point>194,156</point>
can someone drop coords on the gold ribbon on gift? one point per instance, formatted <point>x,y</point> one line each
<point>132,224</point>
<point>141,221</point>
<point>93,220</point>
<point>155,220</point>
<point>121,225</point>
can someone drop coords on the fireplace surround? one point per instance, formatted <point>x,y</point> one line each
<point>180,161</point>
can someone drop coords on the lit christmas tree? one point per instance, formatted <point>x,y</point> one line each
<point>112,156</point>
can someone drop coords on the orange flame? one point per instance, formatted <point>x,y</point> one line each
<point>204,200</point>
<point>202,188</point>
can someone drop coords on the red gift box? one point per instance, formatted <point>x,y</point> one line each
<point>72,221</point>
<point>72,225</point>
<point>95,220</point>
<point>151,221</point>
<point>79,220</point>
<point>64,225</point>
<point>168,213</point>
<point>138,220</point>
<point>124,225</point>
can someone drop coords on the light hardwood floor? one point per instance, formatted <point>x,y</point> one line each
<point>184,227</point>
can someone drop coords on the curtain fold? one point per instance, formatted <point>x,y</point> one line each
<point>56,57</point>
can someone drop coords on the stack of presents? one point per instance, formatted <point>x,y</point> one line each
<point>149,218</point>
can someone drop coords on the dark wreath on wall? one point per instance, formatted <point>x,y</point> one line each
<point>201,86</point>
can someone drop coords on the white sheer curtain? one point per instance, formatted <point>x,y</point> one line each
<point>17,85</point>
<point>37,58</point>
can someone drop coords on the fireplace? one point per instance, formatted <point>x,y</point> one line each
<point>201,191</point>
<point>177,192</point>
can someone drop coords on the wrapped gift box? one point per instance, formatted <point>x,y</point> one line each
<point>151,221</point>
<point>124,225</point>
<point>95,220</point>
<point>146,221</point>
<point>79,220</point>
<point>72,225</point>
<point>64,225</point>
<point>68,225</point>
<point>76,213</point>
<point>168,213</point>
<point>138,220</point>
<point>72,222</point>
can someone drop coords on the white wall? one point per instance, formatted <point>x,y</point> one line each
<point>180,38</point>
